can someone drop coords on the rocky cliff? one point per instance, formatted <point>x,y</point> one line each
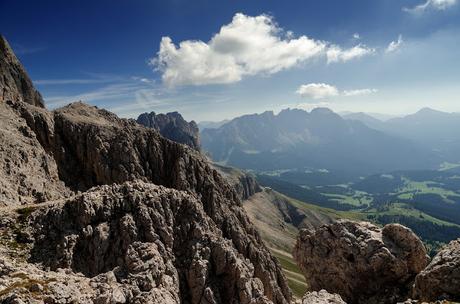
<point>175,232</point>
<point>172,126</point>
<point>244,183</point>
<point>14,83</point>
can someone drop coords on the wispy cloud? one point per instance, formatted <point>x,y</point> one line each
<point>69,81</point>
<point>439,5</point>
<point>359,92</point>
<point>317,91</point>
<point>395,45</point>
<point>20,49</point>
<point>110,92</point>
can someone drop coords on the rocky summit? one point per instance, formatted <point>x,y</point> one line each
<point>173,126</point>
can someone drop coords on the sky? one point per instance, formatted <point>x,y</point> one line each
<point>212,60</point>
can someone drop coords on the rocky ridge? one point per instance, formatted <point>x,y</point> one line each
<point>173,126</point>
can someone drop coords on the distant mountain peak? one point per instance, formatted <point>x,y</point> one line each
<point>322,110</point>
<point>172,126</point>
<point>427,110</point>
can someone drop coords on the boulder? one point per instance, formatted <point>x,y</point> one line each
<point>440,280</point>
<point>360,261</point>
<point>321,297</point>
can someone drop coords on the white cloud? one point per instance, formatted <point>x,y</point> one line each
<point>246,46</point>
<point>359,92</point>
<point>395,45</point>
<point>337,54</point>
<point>431,4</point>
<point>317,90</point>
<point>322,90</point>
<point>356,36</point>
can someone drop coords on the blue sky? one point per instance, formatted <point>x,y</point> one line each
<point>212,60</point>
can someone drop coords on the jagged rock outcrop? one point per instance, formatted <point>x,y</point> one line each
<point>173,126</point>
<point>440,280</point>
<point>15,85</point>
<point>322,297</point>
<point>156,245</point>
<point>361,262</point>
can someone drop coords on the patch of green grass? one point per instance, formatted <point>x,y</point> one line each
<point>24,213</point>
<point>298,289</point>
<point>296,280</point>
<point>356,198</point>
<point>335,214</point>
<point>426,187</point>
<point>406,210</point>
<point>447,166</point>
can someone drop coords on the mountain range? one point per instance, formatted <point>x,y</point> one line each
<point>434,130</point>
<point>320,139</point>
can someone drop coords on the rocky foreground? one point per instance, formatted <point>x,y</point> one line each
<point>98,209</point>
<point>197,247</point>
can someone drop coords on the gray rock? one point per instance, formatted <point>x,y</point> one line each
<point>15,84</point>
<point>361,262</point>
<point>172,126</point>
<point>160,241</point>
<point>321,297</point>
<point>440,280</point>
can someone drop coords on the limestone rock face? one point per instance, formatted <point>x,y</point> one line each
<point>173,126</point>
<point>440,280</point>
<point>15,84</point>
<point>157,244</point>
<point>244,183</point>
<point>361,262</point>
<point>28,174</point>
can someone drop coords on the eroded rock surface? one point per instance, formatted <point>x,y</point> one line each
<point>321,297</point>
<point>361,262</point>
<point>15,84</point>
<point>441,278</point>
<point>173,126</point>
<point>28,174</point>
<point>147,243</point>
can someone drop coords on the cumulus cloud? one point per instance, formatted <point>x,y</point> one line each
<point>317,90</point>
<point>246,46</point>
<point>431,4</point>
<point>395,45</point>
<point>322,90</point>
